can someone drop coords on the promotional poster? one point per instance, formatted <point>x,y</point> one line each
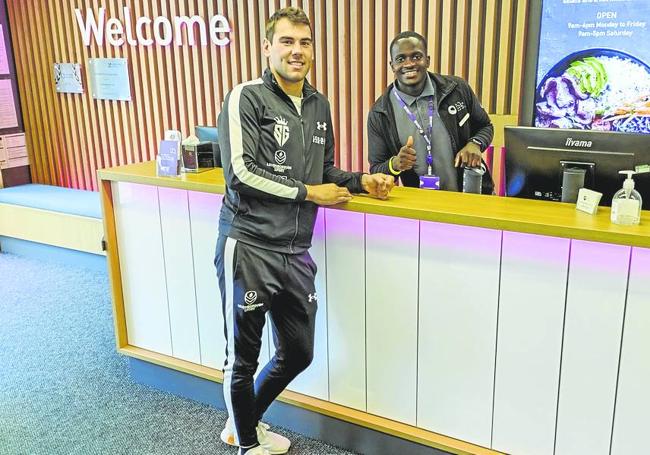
<point>593,71</point>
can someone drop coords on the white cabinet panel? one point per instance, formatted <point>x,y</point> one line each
<point>631,420</point>
<point>592,340</point>
<point>346,304</point>
<point>531,313</point>
<point>179,271</point>
<point>391,316</point>
<point>459,292</point>
<point>137,222</point>
<point>314,380</point>
<point>204,223</point>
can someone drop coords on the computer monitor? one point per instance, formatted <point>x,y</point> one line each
<point>210,134</point>
<point>536,160</point>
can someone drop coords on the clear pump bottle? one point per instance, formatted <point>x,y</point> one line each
<point>626,203</point>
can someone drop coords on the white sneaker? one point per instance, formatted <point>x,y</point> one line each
<point>228,434</point>
<point>258,450</point>
<point>274,443</point>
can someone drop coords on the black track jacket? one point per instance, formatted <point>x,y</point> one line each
<point>269,153</point>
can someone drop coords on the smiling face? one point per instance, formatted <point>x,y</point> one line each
<point>290,52</point>
<point>409,62</point>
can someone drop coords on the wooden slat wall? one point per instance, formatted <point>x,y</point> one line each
<point>70,136</point>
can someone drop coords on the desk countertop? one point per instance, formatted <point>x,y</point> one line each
<point>510,214</point>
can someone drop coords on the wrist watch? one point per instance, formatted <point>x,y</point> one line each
<point>477,142</point>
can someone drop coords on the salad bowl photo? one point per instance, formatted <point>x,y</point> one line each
<point>598,89</point>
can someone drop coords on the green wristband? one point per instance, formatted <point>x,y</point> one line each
<point>390,168</point>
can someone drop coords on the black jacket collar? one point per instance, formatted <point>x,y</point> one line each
<point>270,82</point>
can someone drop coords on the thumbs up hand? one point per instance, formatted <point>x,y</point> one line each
<point>406,157</point>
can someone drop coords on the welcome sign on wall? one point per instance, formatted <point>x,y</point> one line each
<point>147,31</point>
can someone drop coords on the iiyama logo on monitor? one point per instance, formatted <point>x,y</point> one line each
<point>570,142</point>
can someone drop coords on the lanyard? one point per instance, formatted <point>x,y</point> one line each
<point>414,119</point>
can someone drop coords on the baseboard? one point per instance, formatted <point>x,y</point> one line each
<point>65,230</point>
<point>311,424</point>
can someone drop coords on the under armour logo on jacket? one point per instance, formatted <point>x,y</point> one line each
<point>321,126</point>
<point>312,297</point>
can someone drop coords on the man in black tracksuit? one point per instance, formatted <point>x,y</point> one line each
<point>457,128</point>
<point>277,148</point>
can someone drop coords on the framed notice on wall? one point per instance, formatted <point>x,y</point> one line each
<point>109,79</point>
<point>67,78</point>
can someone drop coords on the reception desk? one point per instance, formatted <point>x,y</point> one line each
<point>471,323</point>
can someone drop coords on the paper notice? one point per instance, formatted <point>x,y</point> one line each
<point>4,61</point>
<point>8,117</point>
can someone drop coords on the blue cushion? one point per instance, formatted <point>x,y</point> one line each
<point>54,198</point>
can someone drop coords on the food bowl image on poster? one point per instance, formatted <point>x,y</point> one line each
<point>595,89</point>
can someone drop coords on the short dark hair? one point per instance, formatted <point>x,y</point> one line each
<point>407,34</point>
<point>295,15</point>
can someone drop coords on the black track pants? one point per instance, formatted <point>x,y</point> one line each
<point>253,281</point>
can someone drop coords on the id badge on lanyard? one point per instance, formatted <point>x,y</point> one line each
<point>428,181</point>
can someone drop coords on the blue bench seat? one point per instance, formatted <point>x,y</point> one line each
<point>54,199</point>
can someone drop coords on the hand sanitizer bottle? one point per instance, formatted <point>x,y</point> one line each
<point>626,203</point>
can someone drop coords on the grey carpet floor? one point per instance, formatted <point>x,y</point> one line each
<point>65,390</point>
